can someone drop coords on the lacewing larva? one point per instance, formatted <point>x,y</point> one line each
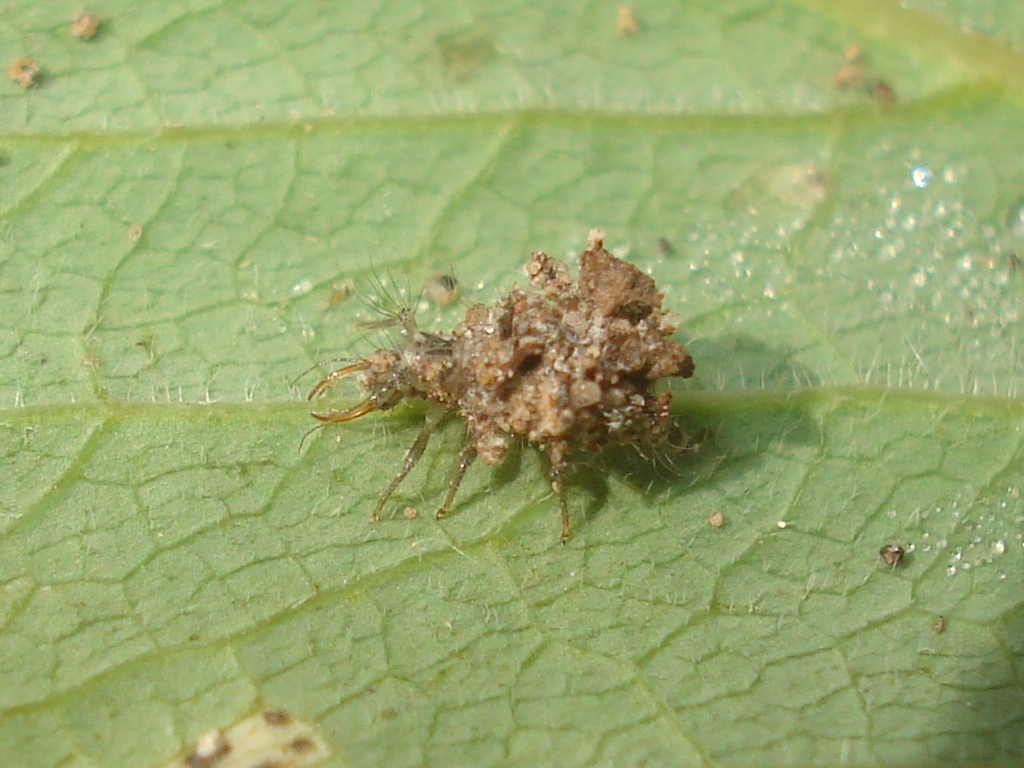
<point>566,366</point>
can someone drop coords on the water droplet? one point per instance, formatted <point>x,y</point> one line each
<point>998,548</point>
<point>951,571</point>
<point>921,176</point>
<point>769,291</point>
<point>302,287</point>
<point>891,250</point>
<point>1015,219</point>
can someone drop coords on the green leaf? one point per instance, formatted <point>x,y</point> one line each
<point>190,204</point>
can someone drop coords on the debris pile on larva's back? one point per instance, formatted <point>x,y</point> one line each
<point>567,366</point>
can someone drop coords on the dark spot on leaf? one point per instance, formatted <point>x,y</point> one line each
<point>462,54</point>
<point>276,717</point>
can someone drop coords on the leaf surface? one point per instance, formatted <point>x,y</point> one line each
<point>191,204</point>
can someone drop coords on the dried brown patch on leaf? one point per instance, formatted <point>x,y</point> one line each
<point>272,738</point>
<point>84,25</point>
<point>24,71</point>
<point>625,20</point>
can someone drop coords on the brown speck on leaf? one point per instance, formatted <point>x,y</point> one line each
<point>625,20</point>
<point>716,519</point>
<point>24,71</point>
<point>464,53</point>
<point>882,92</point>
<point>84,25</point>
<point>849,75</point>
<point>940,625</point>
<point>301,745</point>
<point>665,247</point>
<point>892,554</point>
<point>410,513</point>
<point>135,233</point>
<point>340,289</point>
<point>855,74</point>
<point>389,714</point>
<point>148,343</point>
<point>443,290</point>
<point>276,717</point>
<point>567,366</point>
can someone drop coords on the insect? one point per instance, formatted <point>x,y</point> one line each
<point>892,554</point>
<point>567,366</point>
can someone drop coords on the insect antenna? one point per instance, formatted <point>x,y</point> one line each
<point>309,432</point>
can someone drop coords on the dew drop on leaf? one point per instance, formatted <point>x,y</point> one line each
<point>1015,220</point>
<point>921,176</point>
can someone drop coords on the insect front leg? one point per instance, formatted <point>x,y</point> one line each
<point>466,457</point>
<point>556,474</point>
<point>430,422</point>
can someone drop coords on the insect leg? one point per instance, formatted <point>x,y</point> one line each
<point>466,457</point>
<point>433,418</point>
<point>556,474</point>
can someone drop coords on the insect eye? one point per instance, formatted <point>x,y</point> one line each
<point>385,397</point>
